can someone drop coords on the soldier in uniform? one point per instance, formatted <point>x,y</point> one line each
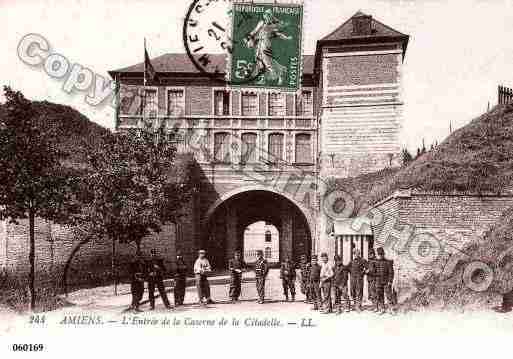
<point>261,270</point>
<point>156,272</point>
<point>326,276</point>
<point>180,279</point>
<point>201,270</point>
<point>371,278</point>
<point>235,266</point>
<point>357,268</point>
<point>288,279</point>
<point>314,280</point>
<point>340,279</point>
<point>137,274</point>
<point>304,270</point>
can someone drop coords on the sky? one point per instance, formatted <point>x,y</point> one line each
<point>459,51</point>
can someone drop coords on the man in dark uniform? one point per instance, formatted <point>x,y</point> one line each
<point>261,270</point>
<point>357,268</point>
<point>235,266</point>
<point>304,270</point>
<point>371,279</point>
<point>137,275</point>
<point>180,279</point>
<point>156,272</point>
<point>314,280</point>
<point>340,279</point>
<point>288,279</point>
<point>384,273</point>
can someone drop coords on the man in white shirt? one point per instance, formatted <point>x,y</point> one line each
<point>201,270</point>
<point>326,276</point>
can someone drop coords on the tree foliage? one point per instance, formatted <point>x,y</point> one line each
<point>33,181</point>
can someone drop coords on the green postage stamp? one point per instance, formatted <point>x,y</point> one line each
<point>267,46</point>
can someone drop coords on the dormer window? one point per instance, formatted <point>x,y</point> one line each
<point>362,24</point>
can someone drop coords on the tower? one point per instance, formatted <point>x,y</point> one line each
<point>358,67</point>
<point>359,70</point>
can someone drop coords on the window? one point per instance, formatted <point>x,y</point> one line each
<point>249,152</point>
<point>276,146</point>
<point>276,104</point>
<point>150,103</point>
<point>249,104</point>
<point>267,252</point>
<point>305,104</point>
<point>221,103</point>
<point>222,147</point>
<point>268,236</point>
<point>303,148</point>
<point>175,102</point>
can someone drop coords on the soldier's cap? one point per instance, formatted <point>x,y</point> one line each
<point>314,256</point>
<point>380,251</point>
<point>303,256</point>
<point>324,255</point>
<point>202,251</point>
<point>371,251</point>
<point>336,257</point>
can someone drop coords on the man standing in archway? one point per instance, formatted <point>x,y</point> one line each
<point>235,266</point>
<point>201,270</point>
<point>261,270</point>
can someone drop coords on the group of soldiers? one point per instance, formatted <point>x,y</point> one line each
<point>339,287</point>
<point>328,287</point>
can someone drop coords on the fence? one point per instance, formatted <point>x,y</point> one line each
<point>505,95</point>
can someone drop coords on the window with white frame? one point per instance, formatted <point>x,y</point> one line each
<point>276,104</point>
<point>175,102</point>
<point>304,103</point>
<point>221,103</point>
<point>249,104</point>
<point>249,148</point>
<point>267,252</point>
<point>303,148</point>
<point>276,146</point>
<point>222,147</point>
<point>151,106</point>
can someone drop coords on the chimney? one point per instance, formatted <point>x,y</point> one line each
<point>362,24</point>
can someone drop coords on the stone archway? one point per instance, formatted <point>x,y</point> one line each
<point>226,220</point>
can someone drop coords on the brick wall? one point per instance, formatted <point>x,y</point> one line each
<point>415,227</point>
<point>362,70</point>
<point>92,264</point>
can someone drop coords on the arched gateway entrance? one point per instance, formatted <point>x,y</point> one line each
<point>228,219</point>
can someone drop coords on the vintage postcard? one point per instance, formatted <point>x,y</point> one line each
<point>279,178</point>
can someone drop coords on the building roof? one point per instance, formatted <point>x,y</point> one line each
<point>351,227</point>
<point>181,63</point>
<point>345,31</point>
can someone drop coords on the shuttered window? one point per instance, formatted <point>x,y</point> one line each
<point>222,147</point>
<point>150,104</point>
<point>221,103</point>
<point>249,104</point>
<point>276,146</point>
<point>304,104</point>
<point>249,151</point>
<point>276,104</point>
<point>175,103</point>
<point>303,148</point>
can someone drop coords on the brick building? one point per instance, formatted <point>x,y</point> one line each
<point>260,156</point>
<point>263,156</point>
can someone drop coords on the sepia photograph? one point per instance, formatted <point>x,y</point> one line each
<point>296,178</point>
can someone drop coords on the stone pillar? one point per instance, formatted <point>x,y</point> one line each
<point>286,233</point>
<point>231,232</point>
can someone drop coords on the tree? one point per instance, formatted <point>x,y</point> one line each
<point>128,191</point>
<point>406,157</point>
<point>33,181</point>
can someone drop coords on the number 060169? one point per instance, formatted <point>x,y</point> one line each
<point>28,347</point>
